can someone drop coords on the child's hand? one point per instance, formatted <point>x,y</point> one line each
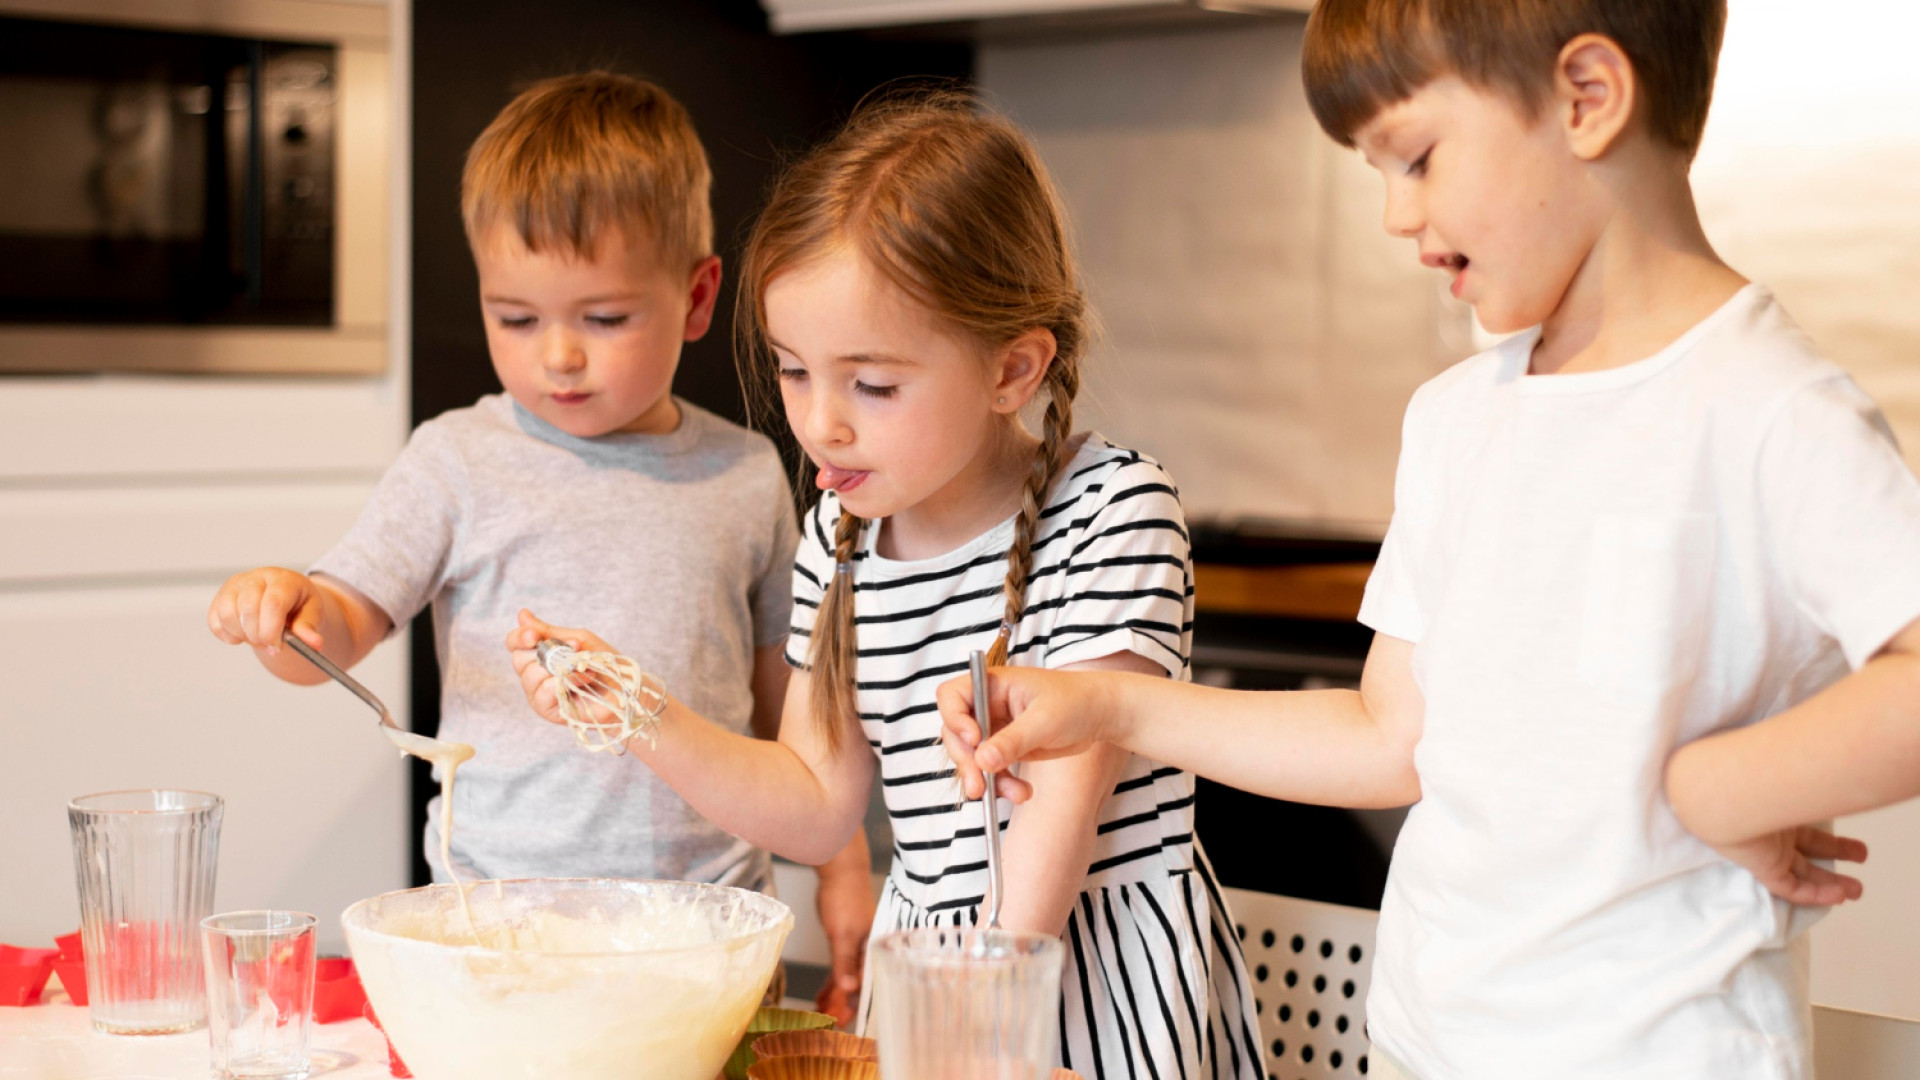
<point>258,607</point>
<point>1782,862</point>
<point>1037,714</point>
<point>846,904</point>
<point>541,688</point>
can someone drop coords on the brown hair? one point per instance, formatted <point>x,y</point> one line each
<point>573,157</point>
<point>951,204</point>
<point>1361,56</point>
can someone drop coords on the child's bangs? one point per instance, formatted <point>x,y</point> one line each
<point>573,223</point>
<point>1361,57</point>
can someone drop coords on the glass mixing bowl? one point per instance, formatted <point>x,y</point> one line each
<point>579,978</point>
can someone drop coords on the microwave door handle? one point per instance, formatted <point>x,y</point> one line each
<point>253,219</point>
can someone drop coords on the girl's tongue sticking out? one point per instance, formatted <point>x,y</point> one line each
<point>833,478</point>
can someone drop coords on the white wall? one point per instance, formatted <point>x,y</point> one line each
<point>1263,333</point>
<point>124,502</point>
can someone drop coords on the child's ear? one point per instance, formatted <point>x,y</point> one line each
<point>1595,93</point>
<point>1021,369</point>
<point>702,294</point>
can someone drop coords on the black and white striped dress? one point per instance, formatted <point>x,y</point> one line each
<point>1154,986</point>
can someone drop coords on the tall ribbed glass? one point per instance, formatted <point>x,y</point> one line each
<point>144,862</point>
<point>966,1004</point>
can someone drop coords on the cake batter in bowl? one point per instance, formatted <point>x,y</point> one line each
<point>589,979</point>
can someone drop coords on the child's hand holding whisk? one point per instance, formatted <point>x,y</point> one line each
<point>572,677</point>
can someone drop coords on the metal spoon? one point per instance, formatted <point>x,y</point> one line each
<point>407,741</point>
<point>989,801</point>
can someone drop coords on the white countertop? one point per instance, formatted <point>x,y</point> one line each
<point>54,1041</point>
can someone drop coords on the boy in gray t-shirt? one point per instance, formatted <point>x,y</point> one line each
<point>683,540</point>
<point>587,491</point>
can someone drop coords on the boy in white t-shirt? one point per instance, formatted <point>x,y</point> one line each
<point>1635,551</point>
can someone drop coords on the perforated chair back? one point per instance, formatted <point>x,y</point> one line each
<point>1310,964</point>
<point>1850,1045</point>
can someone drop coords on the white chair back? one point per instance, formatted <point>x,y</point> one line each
<point>1850,1045</point>
<point>1310,963</point>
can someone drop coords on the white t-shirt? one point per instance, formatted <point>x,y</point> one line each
<point>1596,568</point>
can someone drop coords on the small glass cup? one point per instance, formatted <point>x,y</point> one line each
<point>963,1003</point>
<point>144,864</point>
<point>260,967</point>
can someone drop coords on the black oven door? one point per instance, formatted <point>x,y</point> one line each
<point>152,177</point>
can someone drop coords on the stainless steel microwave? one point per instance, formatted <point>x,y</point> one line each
<point>183,196</point>
<point>164,177</point>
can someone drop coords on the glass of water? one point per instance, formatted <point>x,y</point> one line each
<point>956,1003</point>
<point>260,967</point>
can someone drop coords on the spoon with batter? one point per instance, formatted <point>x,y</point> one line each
<point>418,745</point>
<point>446,755</point>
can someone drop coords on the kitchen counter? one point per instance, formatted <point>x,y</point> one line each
<point>1306,570</point>
<point>54,1041</point>
<point>1306,591</point>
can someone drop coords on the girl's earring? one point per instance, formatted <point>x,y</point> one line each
<point>1003,401</point>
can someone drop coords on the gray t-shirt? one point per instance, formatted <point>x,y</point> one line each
<point>676,549</point>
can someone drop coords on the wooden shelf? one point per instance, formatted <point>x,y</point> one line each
<point>1311,591</point>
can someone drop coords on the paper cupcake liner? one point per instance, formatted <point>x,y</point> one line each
<point>822,1043</point>
<point>813,1068</point>
<point>765,1022</point>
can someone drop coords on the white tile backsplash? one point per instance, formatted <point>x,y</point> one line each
<point>1262,333</point>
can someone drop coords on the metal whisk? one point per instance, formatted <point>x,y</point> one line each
<point>604,697</point>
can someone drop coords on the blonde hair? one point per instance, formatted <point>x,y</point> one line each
<point>952,205</point>
<point>575,157</point>
<point>1363,55</point>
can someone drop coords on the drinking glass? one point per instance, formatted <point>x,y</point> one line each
<point>963,1003</point>
<point>144,864</point>
<point>260,993</point>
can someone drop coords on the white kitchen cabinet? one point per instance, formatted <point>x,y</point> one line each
<point>147,532</point>
<point>210,427</point>
<point>123,505</point>
<point>124,688</point>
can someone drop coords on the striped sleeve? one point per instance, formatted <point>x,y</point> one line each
<point>1128,578</point>
<point>812,568</point>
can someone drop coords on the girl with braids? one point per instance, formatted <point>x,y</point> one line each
<point>911,286</point>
